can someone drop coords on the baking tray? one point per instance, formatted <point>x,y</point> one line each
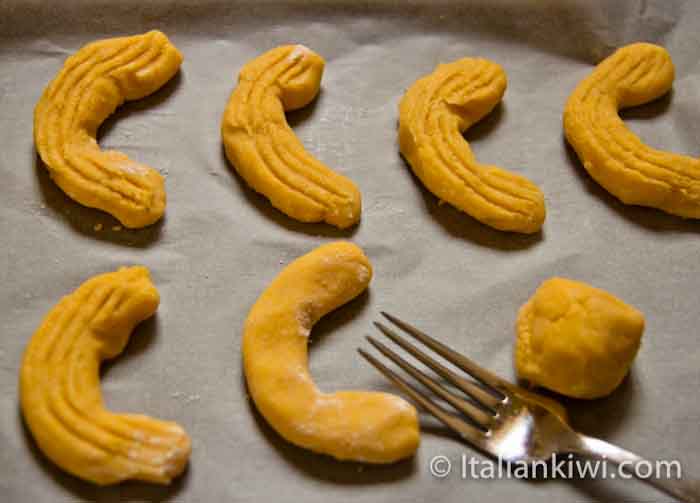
<point>220,244</point>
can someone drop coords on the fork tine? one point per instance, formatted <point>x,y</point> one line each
<point>483,398</point>
<point>473,412</point>
<point>479,373</point>
<point>465,430</point>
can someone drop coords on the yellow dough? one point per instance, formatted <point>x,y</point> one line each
<point>349,425</point>
<point>433,113</point>
<point>265,151</point>
<point>90,86</point>
<point>575,339</point>
<point>60,386</point>
<point>614,156</point>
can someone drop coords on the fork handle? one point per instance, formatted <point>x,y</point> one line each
<point>686,491</point>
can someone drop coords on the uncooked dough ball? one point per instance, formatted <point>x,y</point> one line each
<point>576,340</point>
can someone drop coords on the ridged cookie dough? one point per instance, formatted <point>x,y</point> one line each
<point>433,113</point>
<point>90,86</point>
<point>60,386</point>
<point>265,151</point>
<point>613,155</point>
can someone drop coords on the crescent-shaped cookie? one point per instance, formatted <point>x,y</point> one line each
<point>90,86</point>
<point>60,386</point>
<point>348,425</point>
<point>265,151</point>
<point>612,154</point>
<point>433,113</point>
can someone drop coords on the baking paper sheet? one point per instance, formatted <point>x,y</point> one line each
<point>221,244</point>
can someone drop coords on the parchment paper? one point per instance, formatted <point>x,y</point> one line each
<point>221,244</point>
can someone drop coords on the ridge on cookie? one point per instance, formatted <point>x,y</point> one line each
<point>433,113</point>
<point>267,154</point>
<point>90,86</point>
<point>613,155</point>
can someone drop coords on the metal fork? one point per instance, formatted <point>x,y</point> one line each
<point>504,420</point>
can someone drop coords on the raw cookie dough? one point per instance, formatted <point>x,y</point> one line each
<point>90,86</point>
<point>575,339</point>
<point>612,154</point>
<point>433,113</point>
<point>60,386</point>
<point>265,151</point>
<point>349,425</point>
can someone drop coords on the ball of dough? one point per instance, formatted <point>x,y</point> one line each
<point>576,340</point>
